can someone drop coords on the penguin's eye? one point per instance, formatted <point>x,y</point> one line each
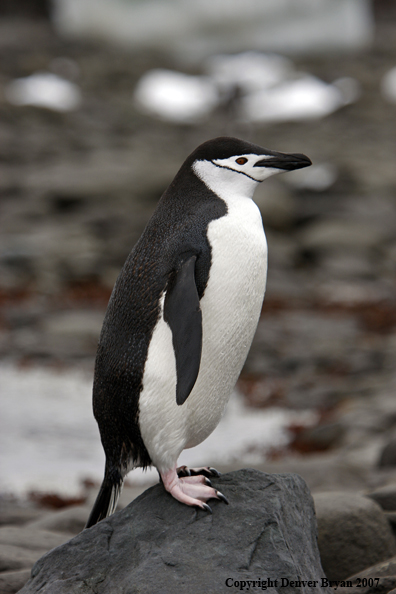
<point>241,161</point>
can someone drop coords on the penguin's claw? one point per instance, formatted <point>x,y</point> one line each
<point>207,471</point>
<point>183,471</point>
<point>222,497</point>
<point>207,508</point>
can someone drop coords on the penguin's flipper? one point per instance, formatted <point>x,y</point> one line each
<point>183,314</point>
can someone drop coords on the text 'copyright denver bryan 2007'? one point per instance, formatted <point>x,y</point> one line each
<point>246,585</point>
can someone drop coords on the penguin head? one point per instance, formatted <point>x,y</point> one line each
<point>238,166</point>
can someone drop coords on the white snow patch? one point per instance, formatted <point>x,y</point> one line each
<point>49,440</point>
<point>303,98</point>
<point>175,96</point>
<point>44,89</point>
<point>263,87</point>
<point>388,85</point>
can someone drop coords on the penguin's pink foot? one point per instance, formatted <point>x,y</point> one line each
<point>203,470</point>
<point>191,490</point>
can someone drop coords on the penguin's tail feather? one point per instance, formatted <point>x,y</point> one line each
<point>107,498</point>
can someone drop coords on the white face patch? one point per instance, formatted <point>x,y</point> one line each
<point>225,177</point>
<point>245,164</point>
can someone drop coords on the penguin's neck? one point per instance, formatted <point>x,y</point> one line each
<point>225,183</point>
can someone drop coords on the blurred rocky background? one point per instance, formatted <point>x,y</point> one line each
<point>98,109</point>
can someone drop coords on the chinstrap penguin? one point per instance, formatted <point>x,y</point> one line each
<point>181,319</point>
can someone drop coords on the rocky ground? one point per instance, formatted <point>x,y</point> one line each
<point>173,548</point>
<point>356,538</point>
<point>77,188</point>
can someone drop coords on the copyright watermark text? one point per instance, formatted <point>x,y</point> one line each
<point>246,585</point>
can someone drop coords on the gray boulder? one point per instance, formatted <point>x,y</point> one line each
<point>20,547</point>
<point>385,497</point>
<point>31,538</point>
<point>387,457</point>
<point>13,558</point>
<point>157,545</point>
<point>12,581</point>
<point>353,533</point>
<point>12,512</point>
<point>71,520</point>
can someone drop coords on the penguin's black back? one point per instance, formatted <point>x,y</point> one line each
<point>176,231</point>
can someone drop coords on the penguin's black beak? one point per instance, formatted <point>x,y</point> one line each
<point>288,162</point>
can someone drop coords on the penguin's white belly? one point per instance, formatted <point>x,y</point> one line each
<point>231,308</point>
